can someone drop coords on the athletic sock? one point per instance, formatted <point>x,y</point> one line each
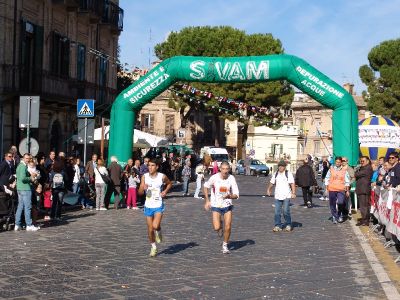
<point>153,245</point>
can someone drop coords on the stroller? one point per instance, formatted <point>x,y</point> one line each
<point>7,211</point>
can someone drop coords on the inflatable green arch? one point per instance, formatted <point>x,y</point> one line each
<point>235,69</point>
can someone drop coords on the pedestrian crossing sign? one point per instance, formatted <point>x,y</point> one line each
<point>85,108</point>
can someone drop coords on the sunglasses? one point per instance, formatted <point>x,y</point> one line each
<point>392,157</point>
<point>344,160</point>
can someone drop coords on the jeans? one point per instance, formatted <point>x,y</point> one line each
<point>100,192</point>
<point>185,186</point>
<point>307,194</point>
<point>24,204</point>
<point>339,199</point>
<point>56,206</point>
<point>198,186</point>
<point>75,187</point>
<point>286,212</point>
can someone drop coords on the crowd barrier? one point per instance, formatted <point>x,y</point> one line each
<point>385,206</point>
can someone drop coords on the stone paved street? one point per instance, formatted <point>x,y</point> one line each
<point>104,255</point>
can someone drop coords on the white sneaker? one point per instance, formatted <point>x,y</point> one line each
<point>326,198</point>
<point>128,207</point>
<point>135,208</point>
<point>97,208</point>
<point>32,228</point>
<point>322,198</point>
<point>102,208</point>
<point>225,249</point>
<point>17,228</point>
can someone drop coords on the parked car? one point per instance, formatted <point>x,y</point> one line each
<point>256,167</point>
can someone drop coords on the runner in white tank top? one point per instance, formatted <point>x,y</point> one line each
<point>156,186</point>
<point>223,189</point>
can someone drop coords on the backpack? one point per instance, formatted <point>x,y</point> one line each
<point>58,181</point>
<point>286,174</point>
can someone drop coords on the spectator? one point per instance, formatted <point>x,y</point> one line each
<point>144,167</point>
<point>89,169</point>
<point>57,178</point>
<point>325,169</point>
<point>133,181</point>
<point>50,160</point>
<point>338,184</point>
<point>44,174</point>
<point>215,167</point>
<point>100,184</point>
<point>305,178</point>
<point>76,176</point>
<point>136,166</point>
<point>363,189</point>
<point>247,165</point>
<point>350,170</point>
<point>186,173</point>
<point>24,190</point>
<point>16,159</point>
<point>114,187</point>
<point>394,172</point>
<point>285,190</point>
<point>6,170</point>
<point>199,179</point>
<point>47,201</point>
<point>129,166</point>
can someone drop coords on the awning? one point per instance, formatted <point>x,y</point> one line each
<point>140,139</point>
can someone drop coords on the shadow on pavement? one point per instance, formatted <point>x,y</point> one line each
<point>178,248</point>
<point>297,224</point>
<point>236,245</point>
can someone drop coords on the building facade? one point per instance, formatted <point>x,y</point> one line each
<point>60,50</point>
<point>315,123</point>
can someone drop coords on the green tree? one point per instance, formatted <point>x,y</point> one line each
<point>227,41</point>
<point>382,78</point>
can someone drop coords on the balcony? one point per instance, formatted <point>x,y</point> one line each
<point>52,88</point>
<point>71,5</point>
<point>113,16</point>
<point>93,8</point>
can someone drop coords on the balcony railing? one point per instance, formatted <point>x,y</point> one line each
<point>45,84</point>
<point>113,15</point>
<point>95,8</point>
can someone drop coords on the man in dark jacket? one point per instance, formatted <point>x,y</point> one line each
<point>363,189</point>
<point>305,178</point>
<point>6,169</point>
<point>115,172</point>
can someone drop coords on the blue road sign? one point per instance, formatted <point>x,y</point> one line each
<point>85,108</point>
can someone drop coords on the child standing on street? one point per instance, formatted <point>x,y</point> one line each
<point>133,181</point>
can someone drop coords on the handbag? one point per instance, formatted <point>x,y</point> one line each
<point>106,178</point>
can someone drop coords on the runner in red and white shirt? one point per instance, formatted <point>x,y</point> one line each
<point>223,189</point>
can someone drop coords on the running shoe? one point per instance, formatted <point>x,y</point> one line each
<point>32,228</point>
<point>158,236</point>
<point>277,229</point>
<point>322,198</point>
<point>334,220</point>
<point>17,228</point>
<point>309,204</point>
<point>288,228</point>
<point>153,252</point>
<point>225,249</point>
<point>340,220</point>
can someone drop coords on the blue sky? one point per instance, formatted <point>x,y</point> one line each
<point>333,36</point>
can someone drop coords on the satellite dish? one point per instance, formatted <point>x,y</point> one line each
<point>23,147</point>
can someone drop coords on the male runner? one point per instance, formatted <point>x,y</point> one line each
<point>156,186</point>
<point>223,189</point>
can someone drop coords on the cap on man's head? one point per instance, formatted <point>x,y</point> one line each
<point>282,163</point>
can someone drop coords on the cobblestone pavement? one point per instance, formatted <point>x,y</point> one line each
<point>104,255</point>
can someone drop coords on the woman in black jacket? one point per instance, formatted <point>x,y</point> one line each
<point>305,178</point>
<point>363,189</point>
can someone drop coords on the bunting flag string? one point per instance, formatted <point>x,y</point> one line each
<point>269,116</point>
<point>230,101</point>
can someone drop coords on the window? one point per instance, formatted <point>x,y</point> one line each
<point>169,125</point>
<point>317,145</point>
<point>301,148</point>
<point>81,61</point>
<point>148,123</point>
<point>276,150</point>
<point>60,55</point>
<point>102,78</point>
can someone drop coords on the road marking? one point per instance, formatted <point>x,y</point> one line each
<point>383,278</point>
